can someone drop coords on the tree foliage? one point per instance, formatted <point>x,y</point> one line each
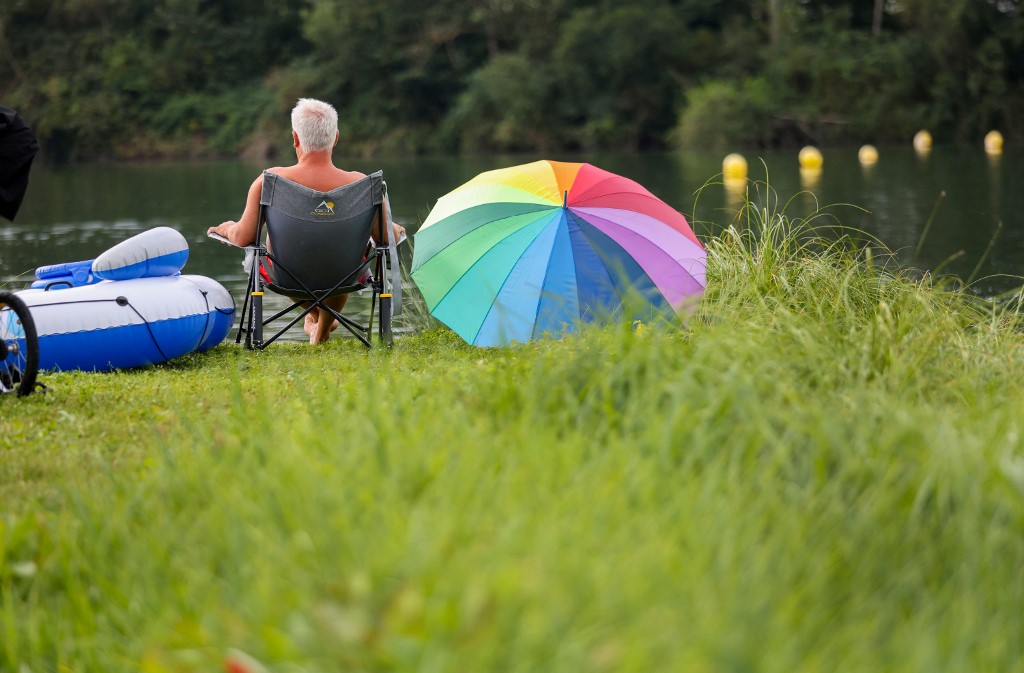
<point>146,78</point>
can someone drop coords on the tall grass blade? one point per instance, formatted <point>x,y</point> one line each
<point>927,227</point>
<point>988,249</point>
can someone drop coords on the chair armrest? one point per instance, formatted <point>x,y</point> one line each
<point>225,241</point>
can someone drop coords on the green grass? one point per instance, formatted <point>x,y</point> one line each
<point>823,469</point>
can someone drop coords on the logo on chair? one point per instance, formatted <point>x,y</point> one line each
<point>325,208</point>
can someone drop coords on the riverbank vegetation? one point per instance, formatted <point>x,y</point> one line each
<point>821,469</point>
<point>109,79</point>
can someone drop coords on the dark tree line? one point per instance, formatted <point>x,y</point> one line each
<point>107,79</point>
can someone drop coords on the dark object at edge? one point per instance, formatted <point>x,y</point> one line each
<point>18,146</point>
<point>19,358</point>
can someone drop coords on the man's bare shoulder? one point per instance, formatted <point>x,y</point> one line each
<point>319,178</point>
<point>276,170</point>
<point>349,177</point>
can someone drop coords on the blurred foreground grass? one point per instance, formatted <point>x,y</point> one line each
<point>822,470</point>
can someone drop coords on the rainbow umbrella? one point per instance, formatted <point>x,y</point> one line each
<point>536,249</point>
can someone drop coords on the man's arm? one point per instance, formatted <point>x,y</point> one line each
<point>243,232</point>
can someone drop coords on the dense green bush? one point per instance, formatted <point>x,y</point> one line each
<point>505,107</point>
<point>135,78</point>
<point>721,115</point>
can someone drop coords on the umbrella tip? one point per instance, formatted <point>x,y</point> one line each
<point>565,199</point>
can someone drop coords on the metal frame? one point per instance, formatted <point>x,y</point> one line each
<point>251,321</point>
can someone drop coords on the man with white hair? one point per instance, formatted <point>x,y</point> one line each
<point>314,135</point>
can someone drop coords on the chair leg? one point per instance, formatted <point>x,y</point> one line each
<point>243,316</point>
<point>351,325</point>
<point>241,319</point>
<point>385,321</point>
<point>373,307</point>
<point>254,339</point>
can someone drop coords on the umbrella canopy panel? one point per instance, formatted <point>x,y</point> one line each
<point>520,252</point>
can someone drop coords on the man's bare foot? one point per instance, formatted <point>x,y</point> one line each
<point>319,335</point>
<point>311,326</point>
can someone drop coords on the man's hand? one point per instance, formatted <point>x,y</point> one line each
<point>222,229</point>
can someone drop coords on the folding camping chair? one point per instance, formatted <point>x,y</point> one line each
<point>319,245</point>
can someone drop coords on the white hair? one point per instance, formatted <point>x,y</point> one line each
<point>316,124</point>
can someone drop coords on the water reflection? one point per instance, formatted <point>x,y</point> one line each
<point>735,192</point>
<point>809,177</point>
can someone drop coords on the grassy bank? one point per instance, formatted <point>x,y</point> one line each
<point>822,470</point>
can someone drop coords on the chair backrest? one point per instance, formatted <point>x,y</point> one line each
<point>319,237</point>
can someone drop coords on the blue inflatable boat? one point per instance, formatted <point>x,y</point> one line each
<point>130,307</point>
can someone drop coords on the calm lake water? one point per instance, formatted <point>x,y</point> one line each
<point>77,212</point>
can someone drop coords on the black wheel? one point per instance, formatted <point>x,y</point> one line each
<point>19,346</point>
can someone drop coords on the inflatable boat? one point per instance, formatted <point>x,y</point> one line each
<point>130,307</point>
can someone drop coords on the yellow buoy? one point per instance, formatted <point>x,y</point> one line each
<point>868,155</point>
<point>994,142</point>
<point>810,158</point>
<point>734,167</point>
<point>923,141</point>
